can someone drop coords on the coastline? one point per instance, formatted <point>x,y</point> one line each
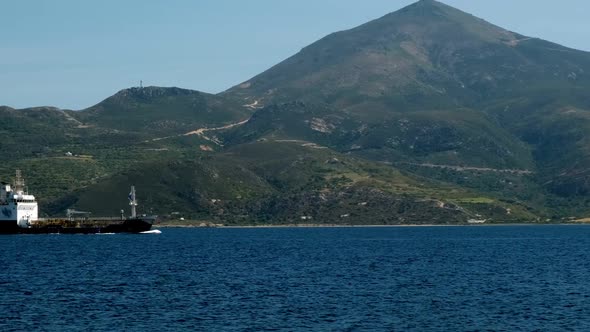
<point>175,225</point>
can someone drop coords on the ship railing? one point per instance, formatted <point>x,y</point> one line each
<point>82,219</point>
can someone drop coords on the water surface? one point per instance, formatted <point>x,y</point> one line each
<point>516,278</point>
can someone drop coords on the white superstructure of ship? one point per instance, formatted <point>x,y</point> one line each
<point>16,205</point>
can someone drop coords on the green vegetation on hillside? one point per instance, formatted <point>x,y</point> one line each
<point>426,115</point>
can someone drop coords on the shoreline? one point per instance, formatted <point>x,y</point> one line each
<point>362,226</point>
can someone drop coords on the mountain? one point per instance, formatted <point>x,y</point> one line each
<point>430,84</point>
<point>426,115</point>
<point>427,55</point>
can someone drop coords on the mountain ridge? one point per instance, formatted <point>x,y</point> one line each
<point>168,110</point>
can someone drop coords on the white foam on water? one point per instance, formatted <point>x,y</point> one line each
<point>106,233</point>
<point>155,231</point>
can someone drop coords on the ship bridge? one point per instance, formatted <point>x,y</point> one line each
<point>23,198</point>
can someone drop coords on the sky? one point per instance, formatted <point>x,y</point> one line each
<point>74,53</point>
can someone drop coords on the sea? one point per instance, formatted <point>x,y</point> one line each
<point>473,278</point>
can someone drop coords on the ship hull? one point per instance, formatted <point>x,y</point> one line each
<point>132,225</point>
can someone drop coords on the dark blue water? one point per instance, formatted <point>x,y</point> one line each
<point>326,279</point>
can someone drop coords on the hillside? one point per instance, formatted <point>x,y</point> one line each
<point>34,130</point>
<point>63,151</point>
<point>160,111</point>
<point>289,182</point>
<point>430,84</point>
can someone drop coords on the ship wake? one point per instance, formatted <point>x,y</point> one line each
<point>155,231</point>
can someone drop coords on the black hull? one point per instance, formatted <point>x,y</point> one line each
<point>137,225</point>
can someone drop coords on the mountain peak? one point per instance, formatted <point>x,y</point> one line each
<point>424,47</point>
<point>427,8</point>
<point>428,4</point>
<point>435,18</point>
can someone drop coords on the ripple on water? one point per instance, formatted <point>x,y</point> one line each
<point>357,279</point>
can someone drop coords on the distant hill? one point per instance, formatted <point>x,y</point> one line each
<point>33,131</point>
<point>61,151</point>
<point>159,110</point>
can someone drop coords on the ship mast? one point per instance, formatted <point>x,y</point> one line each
<point>133,202</point>
<point>19,183</point>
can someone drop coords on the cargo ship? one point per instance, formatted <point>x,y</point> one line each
<point>19,214</point>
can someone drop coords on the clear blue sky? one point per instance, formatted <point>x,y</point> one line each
<point>74,53</point>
